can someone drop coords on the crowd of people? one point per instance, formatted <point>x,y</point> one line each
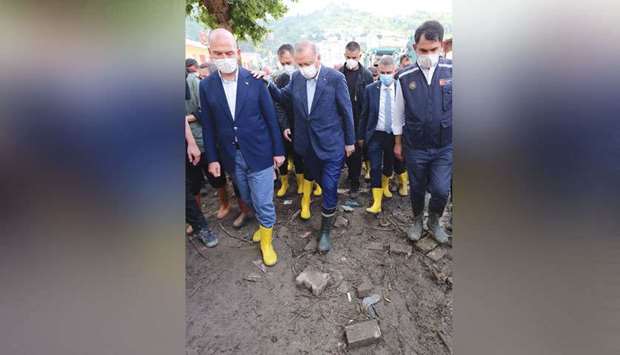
<point>393,119</point>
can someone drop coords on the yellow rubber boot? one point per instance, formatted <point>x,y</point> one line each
<point>266,248</point>
<point>300,183</point>
<point>256,236</point>
<point>404,184</point>
<point>283,187</point>
<point>317,191</point>
<point>290,166</point>
<point>367,173</point>
<point>385,185</point>
<point>377,195</point>
<point>305,200</point>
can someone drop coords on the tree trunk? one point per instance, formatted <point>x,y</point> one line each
<point>220,9</point>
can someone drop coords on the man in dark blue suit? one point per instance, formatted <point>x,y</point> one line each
<point>240,123</point>
<point>324,131</point>
<point>375,130</point>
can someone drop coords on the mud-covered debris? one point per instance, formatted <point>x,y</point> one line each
<point>401,248</point>
<point>426,244</point>
<point>341,222</point>
<point>437,253</point>
<point>364,289</point>
<point>252,277</point>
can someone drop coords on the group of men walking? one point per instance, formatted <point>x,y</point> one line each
<point>249,125</point>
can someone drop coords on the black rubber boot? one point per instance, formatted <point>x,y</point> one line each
<point>415,231</point>
<point>325,240</point>
<point>438,232</point>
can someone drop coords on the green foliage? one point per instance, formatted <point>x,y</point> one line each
<point>245,18</point>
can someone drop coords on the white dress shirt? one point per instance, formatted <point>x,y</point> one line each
<point>311,89</point>
<point>381,118</point>
<point>230,89</point>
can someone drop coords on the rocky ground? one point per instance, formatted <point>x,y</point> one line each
<point>234,307</point>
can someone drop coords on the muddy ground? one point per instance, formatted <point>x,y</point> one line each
<point>234,308</point>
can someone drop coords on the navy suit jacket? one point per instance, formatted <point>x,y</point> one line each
<point>255,125</point>
<point>329,126</point>
<point>370,110</point>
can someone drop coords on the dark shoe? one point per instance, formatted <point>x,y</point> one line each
<point>241,220</point>
<point>325,240</point>
<point>415,231</point>
<point>207,237</point>
<point>438,231</point>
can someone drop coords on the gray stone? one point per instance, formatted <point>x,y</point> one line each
<point>341,222</point>
<point>426,244</point>
<point>313,243</point>
<point>314,280</point>
<point>437,254</point>
<point>364,289</point>
<point>375,246</point>
<point>363,333</point>
<point>400,248</point>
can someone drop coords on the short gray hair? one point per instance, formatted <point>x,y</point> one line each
<point>303,45</point>
<point>387,60</point>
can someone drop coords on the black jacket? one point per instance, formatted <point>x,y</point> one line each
<point>357,96</point>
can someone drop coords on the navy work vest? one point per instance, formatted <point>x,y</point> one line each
<point>428,109</point>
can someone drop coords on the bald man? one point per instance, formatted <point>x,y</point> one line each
<point>239,118</point>
<point>324,132</point>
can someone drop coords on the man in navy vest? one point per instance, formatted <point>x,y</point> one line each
<point>238,116</point>
<point>324,131</point>
<point>423,125</point>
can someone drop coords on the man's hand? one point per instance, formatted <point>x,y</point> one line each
<point>287,134</point>
<point>190,118</point>
<point>193,153</point>
<point>260,75</point>
<point>278,160</point>
<point>349,149</point>
<point>398,151</point>
<point>214,169</point>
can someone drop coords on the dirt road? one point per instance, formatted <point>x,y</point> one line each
<point>235,308</point>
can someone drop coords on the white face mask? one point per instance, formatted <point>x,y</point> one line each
<point>308,71</point>
<point>226,65</point>
<point>288,68</point>
<point>427,61</point>
<point>351,64</point>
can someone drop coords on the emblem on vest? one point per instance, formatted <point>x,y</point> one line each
<point>412,85</point>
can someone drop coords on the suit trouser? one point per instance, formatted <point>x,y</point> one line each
<point>327,172</point>
<point>193,214</point>
<point>381,155</point>
<point>297,160</point>
<point>256,190</point>
<point>429,169</point>
<point>354,165</point>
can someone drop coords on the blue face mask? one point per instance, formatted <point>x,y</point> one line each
<point>386,79</point>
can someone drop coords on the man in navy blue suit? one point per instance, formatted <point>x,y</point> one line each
<point>375,130</point>
<point>240,129</point>
<point>324,132</point>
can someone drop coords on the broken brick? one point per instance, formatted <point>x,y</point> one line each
<point>426,244</point>
<point>363,333</point>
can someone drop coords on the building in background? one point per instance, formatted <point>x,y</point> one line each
<point>196,50</point>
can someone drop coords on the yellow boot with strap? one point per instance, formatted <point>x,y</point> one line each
<point>385,185</point>
<point>305,200</point>
<point>266,247</point>
<point>404,184</point>
<point>377,195</point>
<point>283,187</point>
